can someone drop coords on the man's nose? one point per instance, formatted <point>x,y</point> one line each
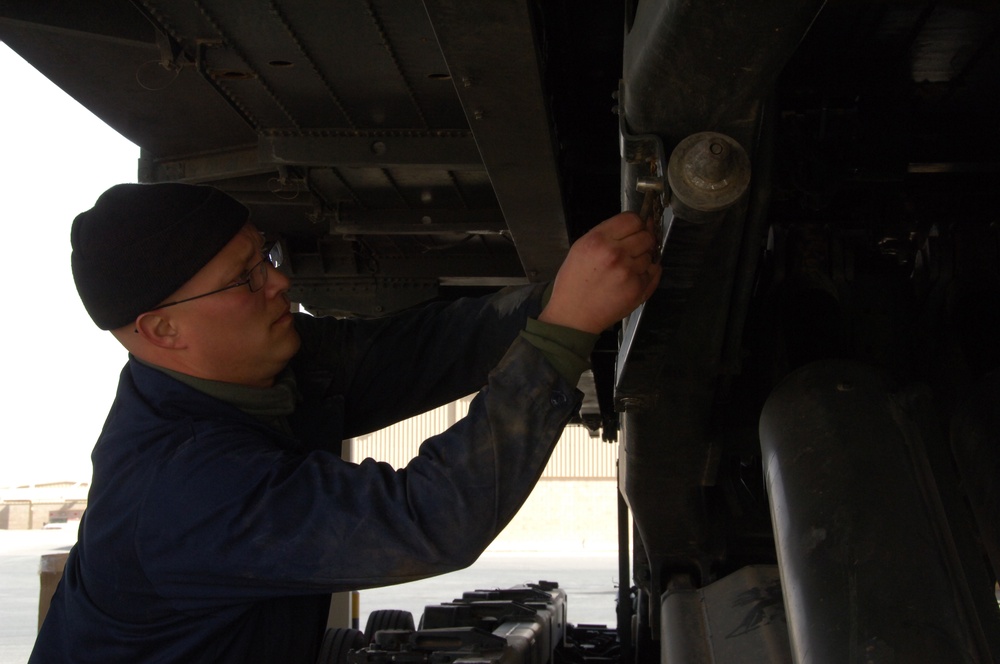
<point>277,281</point>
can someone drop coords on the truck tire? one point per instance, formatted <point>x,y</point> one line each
<point>387,619</point>
<point>337,642</point>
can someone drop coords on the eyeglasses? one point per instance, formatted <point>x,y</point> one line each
<point>254,278</point>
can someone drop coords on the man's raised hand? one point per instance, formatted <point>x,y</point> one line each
<point>607,274</point>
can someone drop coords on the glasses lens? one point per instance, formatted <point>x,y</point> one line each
<point>257,277</point>
<point>274,254</point>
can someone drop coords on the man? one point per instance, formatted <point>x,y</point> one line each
<point>221,516</point>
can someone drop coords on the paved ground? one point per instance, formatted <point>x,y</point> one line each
<point>20,552</point>
<point>589,580</point>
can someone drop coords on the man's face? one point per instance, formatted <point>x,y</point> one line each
<point>236,336</point>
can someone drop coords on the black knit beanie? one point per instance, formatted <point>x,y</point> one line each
<point>141,242</point>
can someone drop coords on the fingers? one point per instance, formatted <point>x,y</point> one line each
<point>638,244</point>
<point>631,239</point>
<point>607,273</point>
<point>636,237</point>
<point>622,225</point>
<point>654,273</point>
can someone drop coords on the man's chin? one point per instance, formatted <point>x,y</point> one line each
<point>293,342</point>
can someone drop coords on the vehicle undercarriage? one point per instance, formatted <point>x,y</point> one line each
<point>809,406</point>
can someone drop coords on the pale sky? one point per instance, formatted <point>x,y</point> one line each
<point>60,371</point>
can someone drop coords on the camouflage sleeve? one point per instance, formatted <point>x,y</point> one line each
<point>566,349</point>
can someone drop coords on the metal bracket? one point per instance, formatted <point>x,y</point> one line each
<point>644,189</point>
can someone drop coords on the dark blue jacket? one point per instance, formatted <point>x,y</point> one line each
<point>210,537</point>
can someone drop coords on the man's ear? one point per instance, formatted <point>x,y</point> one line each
<point>157,330</point>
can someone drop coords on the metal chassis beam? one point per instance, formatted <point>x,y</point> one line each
<point>499,83</point>
<point>447,151</point>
